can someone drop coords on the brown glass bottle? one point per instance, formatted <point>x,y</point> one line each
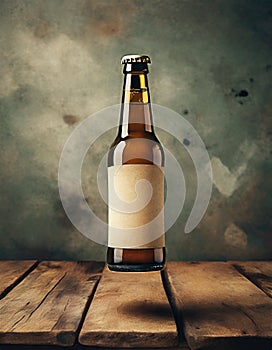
<point>137,150</point>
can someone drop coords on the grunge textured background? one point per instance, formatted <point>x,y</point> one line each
<point>212,63</point>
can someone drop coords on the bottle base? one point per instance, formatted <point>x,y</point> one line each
<point>135,267</point>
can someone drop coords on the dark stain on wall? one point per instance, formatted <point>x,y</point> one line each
<point>70,119</point>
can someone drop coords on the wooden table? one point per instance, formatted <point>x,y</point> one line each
<point>81,305</point>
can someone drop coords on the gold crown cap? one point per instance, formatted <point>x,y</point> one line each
<point>135,59</point>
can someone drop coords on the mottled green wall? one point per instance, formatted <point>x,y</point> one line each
<point>212,62</point>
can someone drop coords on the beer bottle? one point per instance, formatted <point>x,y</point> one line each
<point>135,179</point>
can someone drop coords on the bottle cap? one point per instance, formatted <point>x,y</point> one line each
<point>135,63</point>
<point>135,59</point>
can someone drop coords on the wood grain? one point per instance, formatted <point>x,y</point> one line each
<point>47,306</point>
<point>12,272</point>
<point>129,310</point>
<point>218,307</point>
<point>258,272</point>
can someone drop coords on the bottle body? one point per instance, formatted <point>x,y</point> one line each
<point>136,155</point>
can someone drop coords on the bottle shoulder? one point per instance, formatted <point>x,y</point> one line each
<point>136,150</point>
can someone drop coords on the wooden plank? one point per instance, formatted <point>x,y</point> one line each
<point>12,272</point>
<point>258,272</point>
<point>129,310</point>
<point>47,306</point>
<point>219,308</point>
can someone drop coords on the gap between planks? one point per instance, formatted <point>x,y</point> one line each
<point>12,272</point>
<point>258,272</point>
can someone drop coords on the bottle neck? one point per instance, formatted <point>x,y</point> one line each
<point>136,115</point>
